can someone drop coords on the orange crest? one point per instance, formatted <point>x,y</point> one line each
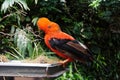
<point>47,26</point>
<point>43,23</point>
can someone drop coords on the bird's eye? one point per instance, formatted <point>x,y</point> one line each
<point>49,26</point>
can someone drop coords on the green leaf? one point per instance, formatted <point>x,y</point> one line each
<point>22,4</point>
<point>6,4</point>
<point>30,48</point>
<point>21,40</point>
<point>12,29</point>
<point>36,1</point>
<point>9,3</point>
<point>34,21</point>
<point>95,4</point>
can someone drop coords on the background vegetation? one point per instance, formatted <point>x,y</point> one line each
<point>96,23</point>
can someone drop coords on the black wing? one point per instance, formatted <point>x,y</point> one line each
<point>71,48</point>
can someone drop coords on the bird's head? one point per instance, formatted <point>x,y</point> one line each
<point>47,26</point>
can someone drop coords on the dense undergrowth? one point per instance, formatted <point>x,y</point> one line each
<point>96,23</point>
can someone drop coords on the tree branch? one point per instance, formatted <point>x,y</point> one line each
<point>6,34</point>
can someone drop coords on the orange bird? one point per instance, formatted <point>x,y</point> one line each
<point>62,43</point>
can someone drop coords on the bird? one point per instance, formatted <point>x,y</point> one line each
<point>63,44</point>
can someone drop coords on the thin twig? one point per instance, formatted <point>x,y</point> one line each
<point>6,34</point>
<point>4,17</point>
<point>18,12</point>
<point>30,30</point>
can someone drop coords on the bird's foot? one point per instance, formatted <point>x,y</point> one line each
<point>64,62</point>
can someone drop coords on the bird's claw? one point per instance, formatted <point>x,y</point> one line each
<point>64,62</point>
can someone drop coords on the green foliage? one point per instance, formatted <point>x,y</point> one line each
<point>8,4</point>
<point>22,42</point>
<point>95,3</point>
<point>71,75</point>
<point>94,23</point>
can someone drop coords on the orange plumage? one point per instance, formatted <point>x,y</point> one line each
<point>62,43</point>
